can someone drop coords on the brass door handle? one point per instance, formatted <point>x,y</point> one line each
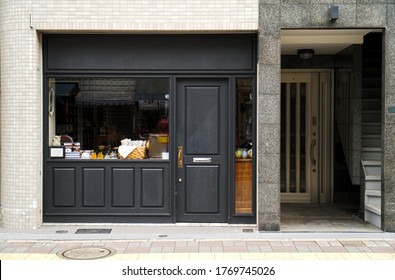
<point>180,157</point>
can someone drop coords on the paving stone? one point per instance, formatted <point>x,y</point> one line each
<point>382,249</point>
<point>352,243</point>
<point>187,249</point>
<point>302,249</point>
<point>333,249</point>
<point>217,249</point>
<point>257,243</point>
<point>210,243</point>
<point>370,243</point>
<point>284,249</point>
<point>352,249</point>
<point>168,249</point>
<point>181,243</point>
<point>228,243</point>
<point>240,244</point>
<point>382,244</point>
<point>137,250</point>
<point>365,250</point>
<point>236,249</point>
<point>323,243</point>
<point>266,249</point>
<point>134,244</point>
<point>305,243</point>
<point>253,249</point>
<point>163,244</point>
<point>193,243</point>
<point>335,243</point>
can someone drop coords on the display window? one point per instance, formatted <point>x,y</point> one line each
<point>109,118</point>
<point>244,144</point>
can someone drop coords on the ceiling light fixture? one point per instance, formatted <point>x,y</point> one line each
<point>306,53</point>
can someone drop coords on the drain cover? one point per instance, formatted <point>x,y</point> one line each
<point>248,230</point>
<point>93,230</point>
<point>85,253</point>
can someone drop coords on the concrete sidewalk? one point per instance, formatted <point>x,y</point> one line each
<point>191,242</point>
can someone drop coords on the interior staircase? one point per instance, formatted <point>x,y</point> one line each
<point>371,128</point>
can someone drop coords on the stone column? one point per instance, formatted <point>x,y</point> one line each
<point>388,160</point>
<point>268,117</point>
<point>21,121</point>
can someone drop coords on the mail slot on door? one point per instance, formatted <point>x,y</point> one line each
<point>201,160</point>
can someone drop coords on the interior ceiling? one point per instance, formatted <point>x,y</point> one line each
<point>322,41</point>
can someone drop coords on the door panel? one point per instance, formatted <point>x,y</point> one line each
<point>202,141</point>
<point>152,187</point>
<point>202,109</point>
<point>203,190</point>
<point>93,187</point>
<point>122,187</point>
<point>64,187</point>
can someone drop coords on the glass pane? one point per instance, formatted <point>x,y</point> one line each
<point>109,117</point>
<point>243,150</point>
<point>293,138</point>
<point>283,136</point>
<point>303,137</point>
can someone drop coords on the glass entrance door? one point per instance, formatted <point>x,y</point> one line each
<point>305,137</point>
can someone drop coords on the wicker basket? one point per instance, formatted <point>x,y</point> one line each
<point>138,153</point>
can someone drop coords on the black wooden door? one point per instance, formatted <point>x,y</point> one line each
<point>202,150</point>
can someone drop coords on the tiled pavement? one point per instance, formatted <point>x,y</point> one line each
<point>284,249</point>
<point>323,235</point>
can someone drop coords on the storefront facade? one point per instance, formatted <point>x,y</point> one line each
<point>178,111</point>
<point>200,82</point>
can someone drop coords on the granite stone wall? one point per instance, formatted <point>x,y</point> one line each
<point>388,188</point>
<point>275,15</point>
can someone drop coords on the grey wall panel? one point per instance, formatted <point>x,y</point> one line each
<point>93,187</point>
<point>202,193</point>
<point>152,187</point>
<point>123,187</point>
<point>64,187</point>
<point>149,52</point>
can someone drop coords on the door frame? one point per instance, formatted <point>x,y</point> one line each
<point>324,192</point>
<point>233,218</point>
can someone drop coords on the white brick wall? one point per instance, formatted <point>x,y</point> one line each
<point>146,15</point>
<point>21,73</point>
<point>21,129</point>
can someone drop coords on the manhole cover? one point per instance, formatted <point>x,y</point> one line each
<point>86,253</point>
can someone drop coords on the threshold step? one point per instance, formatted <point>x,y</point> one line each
<point>373,209</point>
<point>375,193</point>
<point>371,149</point>
<point>371,162</point>
<point>372,177</point>
<point>371,136</point>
